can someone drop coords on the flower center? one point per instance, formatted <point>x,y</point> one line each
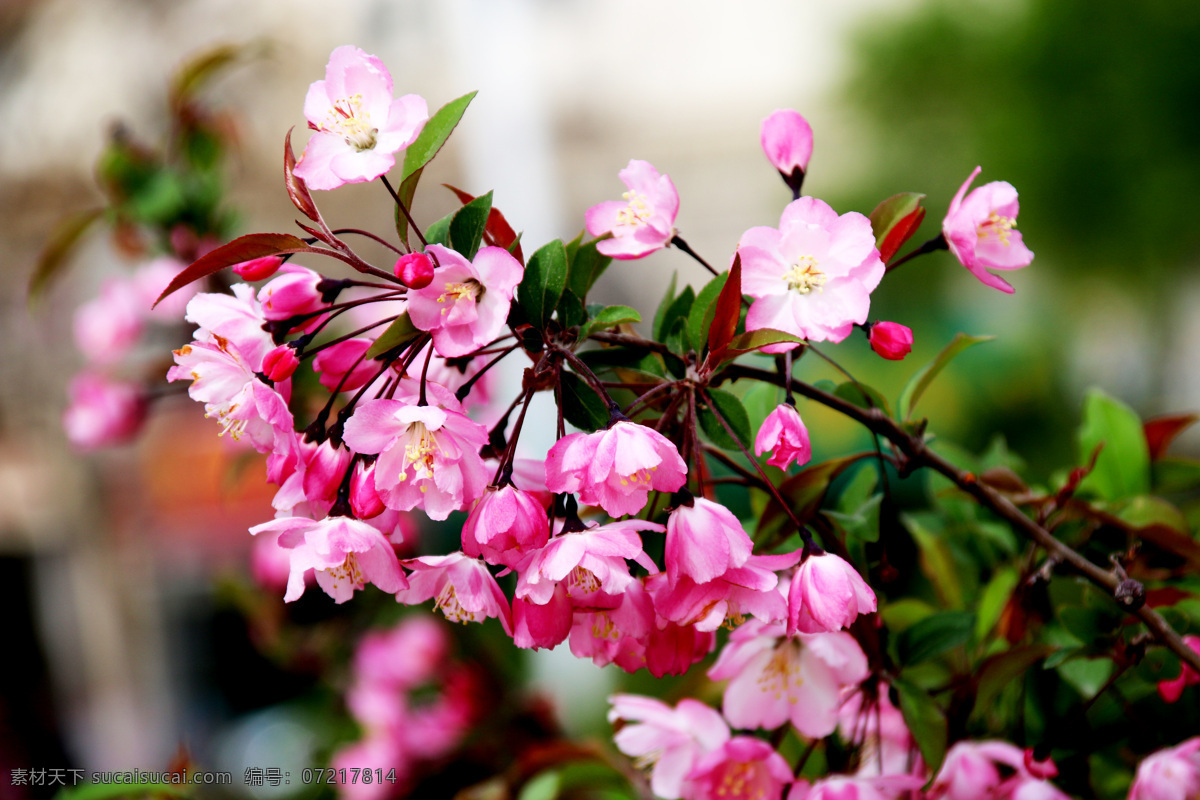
<point>457,291</point>
<point>348,119</point>
<point>998,226</point>
<point>419,453</point>
<point>348,571</point>
<point>447,601</point>
<point>804,275</point>
<point>637,212</point>
<point>639,479</point>
<point>583,579</point>
<point>740,780</point>
<point>781,676</point>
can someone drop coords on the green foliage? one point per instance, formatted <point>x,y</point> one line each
<point>1123,466</point>
<point>467,226</point>
<point>544,282</point>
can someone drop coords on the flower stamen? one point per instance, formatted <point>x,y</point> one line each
<point>804,276</point>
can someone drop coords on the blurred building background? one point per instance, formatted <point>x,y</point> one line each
<point>1089,109</point>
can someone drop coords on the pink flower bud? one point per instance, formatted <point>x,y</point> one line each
<point>1044,769</point>
<point>365,501</point>
<point>1170,773</point>
<point>258,269</point>
<point>505,525</point>
<point>102,412</point>
<point>280,363</point>
<point>826,595</point>
<point>891,340</point>
<point>415,270</point>
<point>1172,690</point>
<point>783,432</point>
<point>704,541</point>
<point>787,140</point>
<point>294,292</point>
<point>345,357</point>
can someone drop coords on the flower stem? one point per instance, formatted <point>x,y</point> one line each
<point>403,208</point>
<point>685,247</point>
<point>936,243</point>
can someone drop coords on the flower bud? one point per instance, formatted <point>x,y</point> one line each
<point>826,594</point>
<point>783,432</point>
<point>1040,768</point>
<point>335,361</point>
<point>364,498</point>
<point>787,140</point>
<point>504,525</point>
<point>891,340</point>
<point>258,269</point>
<point>280,363</point>
<point>102,412</point>
<point>294,292</point>
<point>415,270</point>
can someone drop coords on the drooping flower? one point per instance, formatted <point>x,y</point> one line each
<point>813,276</point>
<point>891,340</point>
<point>293,292</point>
<point>346,554</point>
<point>504,526</point>
<point>787,141</point>
<point>704,541</point>
<point>748,590</point>
<point>1169,774</point>
<point>994,769</point>
<point>843,787</point>
<point>615,468</point>
<point>980,230</point>
<point>258,269</point>
<point>664,740</point>
<point>644,221</point>
<point>740,767</point>
<point>868,719</point>
<point>102,411</point>
<point>467,302</point>
<point>280,363</point>
<point>784,434</point>
<point>542,625</point>
<point>358,126</point>
<point>428,455</point>
<point>344,364</point>
<point>827,594</point>
<point>591,563</point>
<point>461,586</point>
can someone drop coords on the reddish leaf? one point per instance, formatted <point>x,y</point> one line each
<point>62,242</point>
<point>1161,431</point>
<point>296,188</point>
<point>244,248</point>
<point>895,220</point>
<point>729,308</point>
<point>498,232</point>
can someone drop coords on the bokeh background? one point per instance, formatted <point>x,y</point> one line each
<point>120,572</point>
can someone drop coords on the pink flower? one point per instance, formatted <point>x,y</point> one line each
<point>704,541</point>
<point>281,363</point>
<point>102,412</point>
<point>542,625</point>
<point>505,525</point>
<point>773,679</point>
<point>972,770</point>
<point>666,741</point>
<point>294,292</point>
<point>258,269</point>
<point>226,384</point>
<point>467,303</point>
<point>345,360</point>
<point>750,589</point>
<point>365,501</point>
<point>1169,774</point>
<point>464,589</point>
<point>826,594</point>
<point>838,787</point>
<point>740,767</point>
<point>345,553</point>
<point>645,222</point>
<point>404,656</point>
<point>590,563</point>
<point>108,326</point>
<point>380,752</point>
<point>980,231</point>
<point>615,634</point>
<point>415,270</point>
<point>813,277</point>
<point>787,140</point>
<point>868,720</point>
<point>615,468</point>
<point>891,340</point>
<point>1172,690</point>
<point>237,318</point>
<point>428,456</point>
<point>359,127</point>
<point>784,433</point>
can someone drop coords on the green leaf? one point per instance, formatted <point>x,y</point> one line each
<point>1159,665</point>
<point>993,600</point>
<point>660,315</point>
<point>729,407</point>
<point>1003,669</point>
<point>544,281</point>
<point>863,524</point>
<point>926,721</point>
<point>894,220</point>
<point>1123,466</point>
<point>587,264</point>
<point>571,312</point>
<point>468,224</point>
<point>406,192</point>
<point>435,133</point>
<point>700,318</point>
<point>804,492</point>
<point>936,560</point>
<point>919,382</point>
<point>1086,675</point>
<point>677,317</point>
<point>62,242</point>
<point>628,364</point>
<point>935,635</point>
<point>753,340</point>
<point>113,791</point>
<point>399,332</point>
<point>543,786</point>
<point>863,396</point>
<point>439,232</point>
<point>582,407</point>
<point>609,317</point>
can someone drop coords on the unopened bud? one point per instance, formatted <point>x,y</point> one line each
<point>258,269</point>
<point>1130,594</point>
<point>891,340</point>
<point>280,363</point>
<point>415,270</point>
<point>787,141</point>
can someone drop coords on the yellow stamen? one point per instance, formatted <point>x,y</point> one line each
<point>349,120</point>
<point>998,226</point>
<point>637,212</point>
<point>804,276</point>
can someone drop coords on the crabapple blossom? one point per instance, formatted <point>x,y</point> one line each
<point>813,276</point>
<point>102,411</point>
<point>1172,690</point>
<point>991,769</point>
<point>238,319</point>
<point>415,270</point>
<point>591,563</point>
<point>257,269</point>
<point>107,327</point>
<point>466,304</point>
<point>784,434</point>
<point>704,541</point>
<point>667,649</point>
<point>740,767</point>
<point>644,221</point>
<point>293,292</point>
<point>870,720</point>
<point>345,364</point>
<point>667,741</point>
<point>364,497</point>
<point>404,656</point>
<point>787,141</point>
<point>891,340</point>
<point>615,468</point>
<point>505,524</point>
<point>826,594</point>
<point>615,634</point>
<point>751,589</point>
<point>346,554</point>
<point>542,625</point>
<point>980,231</point>
<point>281,363</point>
<point>1169,774</point>
<point>841,787</point>
<point>461,586</point>
<point>774,678</point>
<point>358,126</point>
<point>428,455</point>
